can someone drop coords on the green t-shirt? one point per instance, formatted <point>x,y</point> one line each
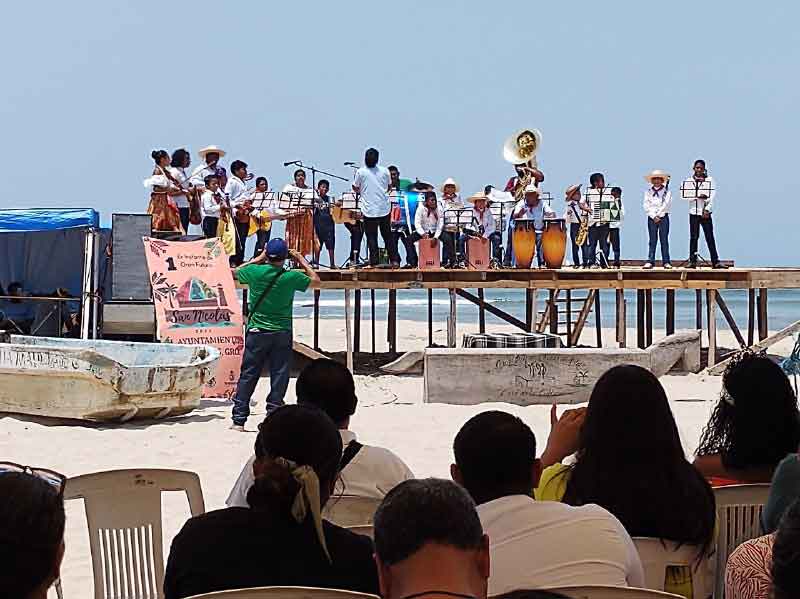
<point>275,311</point>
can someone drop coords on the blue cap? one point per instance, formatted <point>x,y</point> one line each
<point>277,249</point>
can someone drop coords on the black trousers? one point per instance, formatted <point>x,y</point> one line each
<point>580,254</point>
<point>598,234</point>
<point>613,236</point>
<point>356,235</point>
<point>184,212</point>
<point>409,239</point>
<point>371,227</point>
<point>448,241</point>
<point>262,238</point>
<point>695,222</point>
<point>241,241</point>
<point>210,226</point>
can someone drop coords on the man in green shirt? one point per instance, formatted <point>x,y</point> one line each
<point>268,334</point>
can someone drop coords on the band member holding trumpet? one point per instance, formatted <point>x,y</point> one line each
<point>657,202</point>
<point>699,191</point>
<point>576,216</point>
<point>242,204</point>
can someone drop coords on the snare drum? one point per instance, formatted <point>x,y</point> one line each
<point>524,242</point>
<point>554,242</point>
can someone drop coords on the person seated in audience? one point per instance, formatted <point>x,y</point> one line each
<point>32,530</point>
<point>366,471</point>
<point>535,544</point>
<point>754,425</point>
<point>783,490</point>
<point>429,543</point>
<point>769,566</point>
<point>16,315</point>
<point>629,460</point>
<point>281,539</point>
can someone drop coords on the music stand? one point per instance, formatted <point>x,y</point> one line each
<point>349,200</point>
<point>691,190</point>
<point>460,218</point>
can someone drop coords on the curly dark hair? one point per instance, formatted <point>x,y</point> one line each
<point>755,422</point>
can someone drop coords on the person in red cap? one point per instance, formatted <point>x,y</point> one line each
<point>268,332</point>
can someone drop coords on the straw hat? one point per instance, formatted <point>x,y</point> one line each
<point>572,189</point>
<point>656,174</point>
<point>511,148</point>
<point>210,150</point>
<point>449,181</point>
<point>478,196</point>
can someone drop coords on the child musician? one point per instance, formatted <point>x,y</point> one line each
<point>614,226</point>
<point>573,215</point>
<point>323,223</point>
<point>211,200</point>
<point>657,202</point>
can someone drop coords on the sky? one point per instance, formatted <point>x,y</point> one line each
<point>91,88</point>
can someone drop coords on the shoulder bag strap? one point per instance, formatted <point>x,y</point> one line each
<point>263,295</point>
<point>349,453</point>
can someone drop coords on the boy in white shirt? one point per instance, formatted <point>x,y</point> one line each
<point>614,226</point>
<point>657,202</point>
<point>575,212</point>
<point>211,200</point>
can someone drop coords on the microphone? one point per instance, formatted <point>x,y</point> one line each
<point>349,163</point>
<point>291,162</point>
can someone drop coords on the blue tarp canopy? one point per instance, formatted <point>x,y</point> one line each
<point>20,220</point>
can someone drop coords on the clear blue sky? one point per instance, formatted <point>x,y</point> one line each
<point>90,88</point>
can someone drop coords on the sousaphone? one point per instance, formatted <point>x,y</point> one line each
<point>522,146</point>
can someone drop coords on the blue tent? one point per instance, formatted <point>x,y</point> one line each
<point>47,219</point>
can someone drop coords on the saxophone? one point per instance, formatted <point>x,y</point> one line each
<point>583,232</point>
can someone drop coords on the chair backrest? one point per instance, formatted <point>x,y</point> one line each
<point>349,510</point>
<point>657,555</point>
<point>611,592</point>
<point>123,512</point>
<point>739,510</point>
<point>368,530</point>
<point>284,593</point>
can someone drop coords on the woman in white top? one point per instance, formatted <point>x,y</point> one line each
<point>429,224</point>
<point>177,168</point>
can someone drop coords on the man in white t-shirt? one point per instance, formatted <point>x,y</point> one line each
<point>372,186</point>
<point>367,471</point>
<point>535,544</point>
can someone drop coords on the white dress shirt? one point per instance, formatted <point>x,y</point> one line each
<point>695,187</point>
<point>373,472</point>
<point>372,185</point>
<point>573,213</point>
<point>209,204</point>
<point>237,191</point>
<point>535,544</point>
<point>535,213</point>
<point>657,202</point>
<point>181,201</point>
<point>429,222</point>
<point>484,219</point>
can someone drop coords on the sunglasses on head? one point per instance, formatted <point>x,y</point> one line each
<point>55,479</point>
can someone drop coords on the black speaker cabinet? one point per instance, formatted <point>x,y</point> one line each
<point>130,279</point>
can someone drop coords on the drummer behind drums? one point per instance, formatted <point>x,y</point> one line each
<point>531,207</point>
<point>451,200</point>
<point>429,221</point>
<point>484,226</point>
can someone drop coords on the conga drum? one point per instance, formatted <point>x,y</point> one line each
<point>429,254</point>
<point>478,253</point>
<point>554,242</point>
<point>524,242</point>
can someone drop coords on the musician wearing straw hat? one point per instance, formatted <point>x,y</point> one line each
<point>484,224</point>
<point>657,203</point>
<point>531,207</point>
<point>210,155</point>
<point>451,201</point>
<point>576,211</point>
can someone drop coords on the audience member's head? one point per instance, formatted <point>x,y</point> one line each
<point>329,386</point>
<point>786,555</point>
<point>32,532</point>
<point>288,465</point>
<point>495,456</point>
<point>755,422</point>
<point>630,461</point>
<point>428,538</point>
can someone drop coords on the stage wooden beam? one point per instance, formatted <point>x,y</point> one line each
<point>493,310</point>
<point>763,322</point>
<point>529,309</point>
<point>553,310</point>
<point>648,317</point>
<point>451,320</point>
<point>392,324</point>
<point>357,323</point>
<point>598,326</point>
<point>316,319</point>
<point>347,327</point>
<point>761,345</point>
<point>372,301</point>
<point>481,312</point>
<point>751,316</point>
<point>569,318</point>
<point>698,309</point>
<point>640,309</point>
<point>622,325</point>
<point>729,319</point>
<point>670,310</point>
<point>712,326</point>
<point>430,317</point>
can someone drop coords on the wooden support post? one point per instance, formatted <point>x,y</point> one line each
<point>347,330</point>
<point>357,323</point>
<point>529,309</point>
<point>598,326</point>
<point>372,300</point>
<point>763,325</point>
<point>553,308</point>
<point>392,324</point>
<point>451,320</point>
<point>493,310</point>
<point>430,317</point>
<point>316,319</point>
<point>698,308</point>
<point>569,318</point>
<point>648,317</point>
<point>481,313</point>
<point>640,318</point>
<point>729,319</point>
<point>751,316</point>
<point>622,327</point>
<point>712,326</point>
<point>670,324</point>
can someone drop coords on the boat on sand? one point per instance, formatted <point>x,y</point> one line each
<point>102,380</point>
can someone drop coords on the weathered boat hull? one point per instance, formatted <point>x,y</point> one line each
<point>543,376</point>
<point>102,380</point>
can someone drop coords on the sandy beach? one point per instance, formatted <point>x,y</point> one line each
<point>390,414</point>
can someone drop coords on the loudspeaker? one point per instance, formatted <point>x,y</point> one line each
<point>130,279</point>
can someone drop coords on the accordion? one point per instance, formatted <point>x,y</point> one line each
<point>605,207</point>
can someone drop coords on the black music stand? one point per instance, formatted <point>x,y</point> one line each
<point>349,200</point>
<point>691,190</point>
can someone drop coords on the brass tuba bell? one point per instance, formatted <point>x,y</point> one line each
<point>522,146</point>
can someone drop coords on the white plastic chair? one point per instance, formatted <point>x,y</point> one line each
<point>656,556</point>
<point>284,593</point>
<point>368,530</point>
<point>738,519</point>
<point>123,512</point>
<point>349,510</point>
<point>611,592</point>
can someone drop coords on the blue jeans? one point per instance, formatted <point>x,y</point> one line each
<point>659,232</point>
<point>259,347</point>
<point>580,254</point>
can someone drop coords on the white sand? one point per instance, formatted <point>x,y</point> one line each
<point>391,414</point>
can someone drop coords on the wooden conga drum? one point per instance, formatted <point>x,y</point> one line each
<point>524,242</point>
<point>478,253</point>
<point>554,242</point>
<point>429,254</point>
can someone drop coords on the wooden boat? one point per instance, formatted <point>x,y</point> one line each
<point>524,377</point>
<point>102,380</point>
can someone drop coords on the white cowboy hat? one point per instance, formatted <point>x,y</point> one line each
<point>449,181</point>
<point>656,174</point>
<point>531,187</point>
<point>478,196</point>
<point>572,189</point>
<point>209,150</point>
<point>511,149</point>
